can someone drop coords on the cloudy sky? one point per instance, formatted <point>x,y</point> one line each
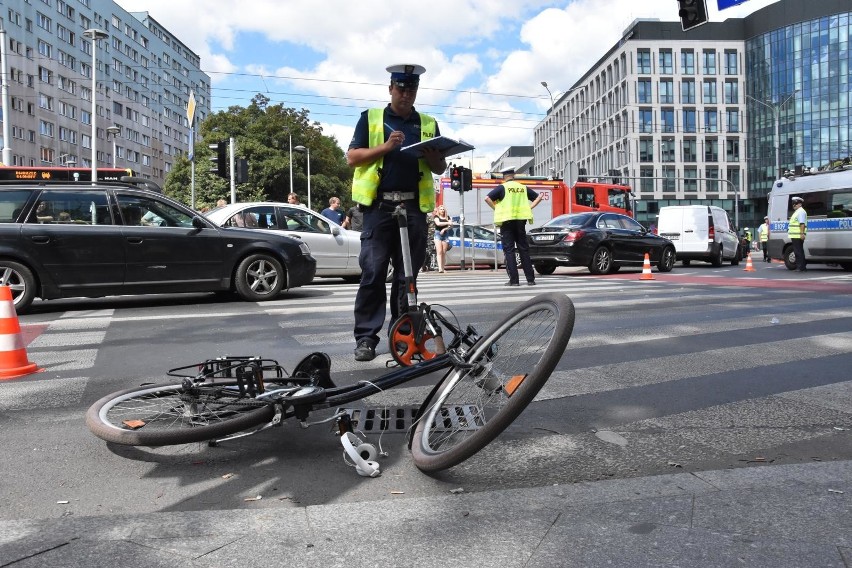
<point>485,59</point>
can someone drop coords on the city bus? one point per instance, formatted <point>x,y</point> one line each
<point>53,173</point>
<point>828,202</point>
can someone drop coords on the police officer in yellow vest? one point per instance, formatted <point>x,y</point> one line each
<point>797,230</point>
<point>512,210</point>
<point>763,237</point>
<point>385,177</point>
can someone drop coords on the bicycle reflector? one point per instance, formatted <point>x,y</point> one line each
<point>512,384</point>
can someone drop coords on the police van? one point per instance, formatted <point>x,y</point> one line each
<point>828,202</point>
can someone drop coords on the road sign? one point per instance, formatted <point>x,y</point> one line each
<point>190,108</point>
<point>729,3</point>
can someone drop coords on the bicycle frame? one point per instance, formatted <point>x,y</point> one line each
<point>304,397</point>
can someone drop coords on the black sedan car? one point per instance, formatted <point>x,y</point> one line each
<point>80,240</point>
<point>602,241</point>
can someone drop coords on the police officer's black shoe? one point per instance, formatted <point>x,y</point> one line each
<point>365,351</point>
<point>530,282</point>
<point>510,283</point>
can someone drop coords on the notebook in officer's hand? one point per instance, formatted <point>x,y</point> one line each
<point>447,146</point>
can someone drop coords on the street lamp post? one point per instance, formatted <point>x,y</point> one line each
<point>552,117</point>
<point>114,131</point>
<point>307,151</point>
<point>95,34</point>
<point>776,113</point>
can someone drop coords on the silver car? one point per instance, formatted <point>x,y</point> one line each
<point>481,247</point>
<point>335,249</point>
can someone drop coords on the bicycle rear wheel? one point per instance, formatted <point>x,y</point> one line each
<point>164,415</point>
<point>508,367</point>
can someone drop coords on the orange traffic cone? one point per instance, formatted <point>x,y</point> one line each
<point>13,355</point>
<point>749,266</point>
<point>646,269</point>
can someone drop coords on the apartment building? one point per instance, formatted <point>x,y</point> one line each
<point>143,74</point>
<point>691,117</point>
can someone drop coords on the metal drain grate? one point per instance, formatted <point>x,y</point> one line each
<point>382,419</point>
<point>400,418</point>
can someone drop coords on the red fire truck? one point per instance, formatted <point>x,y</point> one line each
<point>557,198</point>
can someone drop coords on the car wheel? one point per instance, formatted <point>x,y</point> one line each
<point>790,258</point>
<point>716,259</point>
<point>21,283</point>
<point>545,268</point>
<point>259,277</point>
<point>601,261</point>
<point>667,260</point>
<point>738,257</point>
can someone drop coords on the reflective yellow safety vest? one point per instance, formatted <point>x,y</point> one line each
<point>514,204</point>
<point>763,232</point>
<point>365,181</point>
<point>793,230</point>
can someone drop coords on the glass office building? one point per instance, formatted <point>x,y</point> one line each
<point>691,117</point>
<point>798,81</point>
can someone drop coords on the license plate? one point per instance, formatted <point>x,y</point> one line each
<point>542,238</point>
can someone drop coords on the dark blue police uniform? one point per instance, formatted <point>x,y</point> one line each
<point>513,235</point>
<point>380,241</point>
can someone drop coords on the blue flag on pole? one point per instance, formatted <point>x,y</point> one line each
<point>728,3</point>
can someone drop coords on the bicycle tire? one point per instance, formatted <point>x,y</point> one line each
<point>162,412</point>
<point>473,406</point>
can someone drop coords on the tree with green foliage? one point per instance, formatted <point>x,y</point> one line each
<point>262,134</point>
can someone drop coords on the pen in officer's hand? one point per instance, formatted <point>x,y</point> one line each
<point>389,127</point>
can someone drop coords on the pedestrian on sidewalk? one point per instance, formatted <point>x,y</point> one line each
<point>443,223</point>
<point>333,211</point>
<point>354,220</point>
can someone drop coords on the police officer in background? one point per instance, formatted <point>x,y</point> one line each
<point>512,210</point>
<point>384,178</point>
<point>763,237</point>
<point>797,230</point>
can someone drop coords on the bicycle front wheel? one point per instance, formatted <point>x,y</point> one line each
<point>502,375</point>
<point>165,415</point>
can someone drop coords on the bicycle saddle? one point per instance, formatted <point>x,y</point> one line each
<point>317,368</point>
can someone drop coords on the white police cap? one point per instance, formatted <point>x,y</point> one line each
<point>406,74</point>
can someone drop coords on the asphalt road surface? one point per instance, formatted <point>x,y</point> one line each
<point>701,368</point>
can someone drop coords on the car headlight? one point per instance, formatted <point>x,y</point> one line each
<point>306,250</point>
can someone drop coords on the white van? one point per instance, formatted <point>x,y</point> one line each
<point>700,232</point>
<point>828,202</point>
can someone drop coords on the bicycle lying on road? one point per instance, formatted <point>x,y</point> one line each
<point>487,383</point>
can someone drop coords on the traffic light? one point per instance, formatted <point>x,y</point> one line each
<point>241,175</point>
<point>456,178</point>
<point>219,159</point>
<point>692,13</point>
<point>461,178</point>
